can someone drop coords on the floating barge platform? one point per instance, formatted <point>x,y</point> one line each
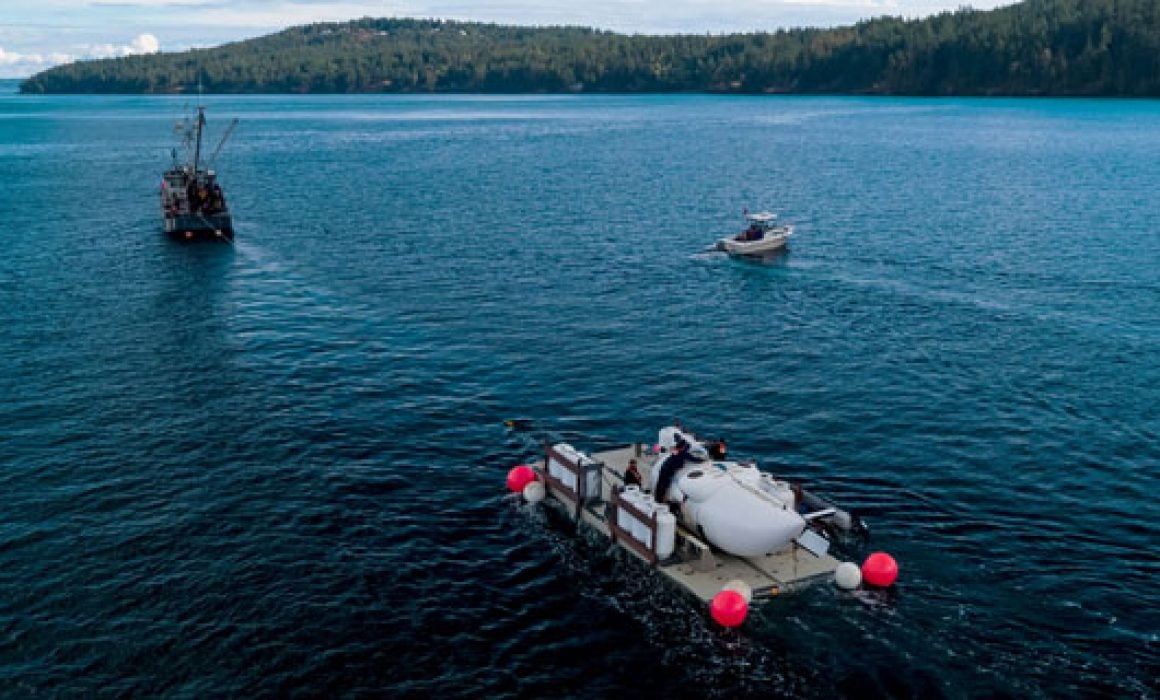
<point>591,492</point>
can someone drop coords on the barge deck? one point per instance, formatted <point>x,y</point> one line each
<point>590,493</point>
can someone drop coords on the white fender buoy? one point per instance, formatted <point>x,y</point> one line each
<point>848,576</point>
<point>534,491</point>
<point>741,587</point>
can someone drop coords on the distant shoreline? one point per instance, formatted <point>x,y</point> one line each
<point>820,95</point>
<point>1036,48</point>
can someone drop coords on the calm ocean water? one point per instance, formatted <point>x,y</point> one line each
<point>278,467</point>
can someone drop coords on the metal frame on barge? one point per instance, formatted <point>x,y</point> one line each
<point>591,491</point>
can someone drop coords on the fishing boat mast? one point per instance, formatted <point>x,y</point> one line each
<point>197,147</point>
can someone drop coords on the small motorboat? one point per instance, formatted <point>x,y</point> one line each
<point>763,235</point>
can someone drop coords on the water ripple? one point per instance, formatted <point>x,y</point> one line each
<point>277,468</point>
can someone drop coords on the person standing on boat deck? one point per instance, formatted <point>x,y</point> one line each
<point>671,466</point>
<point>632,475</point>
<point>214,200</point>
<point>194,197</point>
<point>207,196</point>
<point>203,196</point>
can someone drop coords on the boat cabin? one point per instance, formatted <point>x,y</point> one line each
<point>760,224</point>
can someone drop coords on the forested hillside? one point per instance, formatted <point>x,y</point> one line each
<point>1038,47</point>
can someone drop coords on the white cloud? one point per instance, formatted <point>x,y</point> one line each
<point>144,43</point>
<point>10,60</point>
<point>19,65</point>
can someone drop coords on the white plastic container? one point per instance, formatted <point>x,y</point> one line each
<point>557,470</point>
<point>666,531</point>
<point>566,476</point>
<point>642,531</point>
<point>592,480</point>
<point>624,520</point>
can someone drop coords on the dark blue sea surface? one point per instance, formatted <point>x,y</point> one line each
<point>278,467</point>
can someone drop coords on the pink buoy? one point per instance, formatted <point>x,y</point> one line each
<point>656,449</point>
<point>519,477</point>
<point>729,608</point>
<point>880,570</point>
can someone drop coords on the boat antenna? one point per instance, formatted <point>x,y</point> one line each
<point>200,125</point>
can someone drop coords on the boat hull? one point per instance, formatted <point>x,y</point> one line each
<point>765,246</point>
<point>200,227</point>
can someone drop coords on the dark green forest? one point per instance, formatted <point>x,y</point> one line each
<point>1037,47</point>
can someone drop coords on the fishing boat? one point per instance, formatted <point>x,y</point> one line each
<point>706,522</point>
<point>762,235</point>
<point>193,206</point>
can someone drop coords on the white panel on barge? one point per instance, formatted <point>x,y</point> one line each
<point>590,488</point>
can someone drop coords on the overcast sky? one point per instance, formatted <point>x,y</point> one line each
<point>36,34</point>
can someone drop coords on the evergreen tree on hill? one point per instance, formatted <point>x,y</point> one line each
<point>1037,47</point>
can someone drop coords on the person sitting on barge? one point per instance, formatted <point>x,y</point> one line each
<point>632,475</point>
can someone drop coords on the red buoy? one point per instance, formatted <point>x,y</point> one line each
<point>880,570</point>
<point>519,477</point>
<point>729,608</point>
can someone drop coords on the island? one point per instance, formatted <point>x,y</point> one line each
<point>1035,47</point>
